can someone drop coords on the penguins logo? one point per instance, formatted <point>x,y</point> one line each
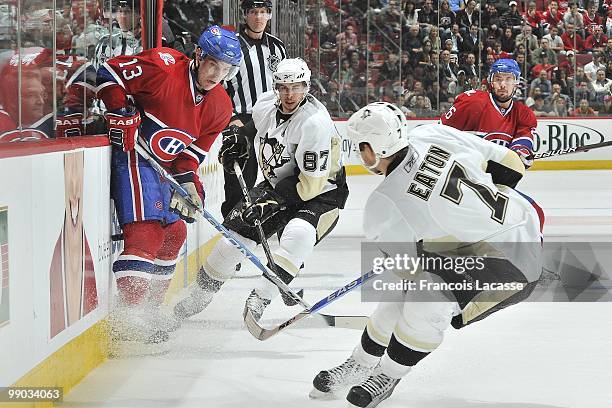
<point>271,153</point>
<point>366,114</point>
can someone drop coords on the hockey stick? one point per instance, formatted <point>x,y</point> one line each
<point>219,227</point>
<point>569,150</point>
<point>260,231</point>
<point>262,333</point>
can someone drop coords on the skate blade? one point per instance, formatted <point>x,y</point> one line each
<point>322,396</point>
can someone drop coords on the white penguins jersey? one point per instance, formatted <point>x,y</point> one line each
<point>307,145</point>
<point>119,43</point>
<point>441,193</point>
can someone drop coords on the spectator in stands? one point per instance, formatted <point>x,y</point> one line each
<point>554,39</point>
<point>606,109</point>
<point>390,70</point>
<point>410,14</point>
<point>348,35</point>
<point>489,60</point>
<point>560,108</point>
<point>539,107</point>
<point>544,65</point>
<point>470,68</point>
<point>428,17</point>
<point>607,51</point>
<point>456,5</point>
<point>31,101</point>
<point>455,38</point>
<point>512,18</point>
<point>543,83</point>
<point>491,21</point>
<point>460,85</point>
<point>560,78</point>
<point>471,40</point>
<point>532,18</point>
<point>609,69</point>
<point>574,17</point>
<point>571,39</point>
<point>528,39</point>
<point>591,19</point>
<point>600,87</point>
<point>584,109</point>
<point>447,18</point>
<point>544,50</point>
<point>552,18</point>
<point>569,65</point>
<point>533,92</point>
<point>556,94</point>
<point>590,69</point>
<point>597,41</point>
<point>392,13</point>
<point>467,17</point>
<point>434,39</point>
<point>448,70</point>
<point>521,60</point>
<point>507,41</point>
<point>581,90</point>
<point>412,41</point>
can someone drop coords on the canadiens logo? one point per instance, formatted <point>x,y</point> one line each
<point>273,61</point>
<point>167,143</point>
<point>25,135</point>
<point>167,58</point>
<point>215,31</point>
<point>499,138</point>
<point>271,152</point>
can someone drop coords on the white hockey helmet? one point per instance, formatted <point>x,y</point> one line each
<point>382,125</point>
<point>291,71</point>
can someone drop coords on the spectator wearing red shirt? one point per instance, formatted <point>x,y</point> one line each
<point>552,16</point>
<point>596,42</point>
<point>584,109</point>
<point>591,19</point>
<point>533,18</point>
<point>572,40</point>
<point>568,64</point>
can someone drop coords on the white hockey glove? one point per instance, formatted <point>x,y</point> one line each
<point>182,207</point>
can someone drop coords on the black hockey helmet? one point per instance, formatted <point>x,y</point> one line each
<point>246,5</point>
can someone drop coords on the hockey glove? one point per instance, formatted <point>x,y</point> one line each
<point>234,148</point>
<point>123,127</point>
<point>266,206</point>
<point>180,205</point>
<point>69,125</point>
<point>524,154</point>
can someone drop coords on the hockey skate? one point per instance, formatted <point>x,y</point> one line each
<point>372,391</point>
<point>256,305</point>
<point>132,323</point>
<point>201,295</point>
<point>162,319</point>
<point>328,382</point>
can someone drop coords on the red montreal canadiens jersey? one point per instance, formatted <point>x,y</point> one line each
<point>476,112</point>
<point>179,124</point>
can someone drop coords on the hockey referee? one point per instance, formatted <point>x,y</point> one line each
<point>261,54</point>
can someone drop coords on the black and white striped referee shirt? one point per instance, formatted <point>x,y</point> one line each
<point>260,59</point>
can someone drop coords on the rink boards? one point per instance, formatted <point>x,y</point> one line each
<point>54,203</point>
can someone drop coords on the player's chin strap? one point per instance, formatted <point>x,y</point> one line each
<point>219,227</point>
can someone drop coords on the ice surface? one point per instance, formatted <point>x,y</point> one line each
<point>532,355</point>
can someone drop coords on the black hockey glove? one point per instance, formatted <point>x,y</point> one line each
<point>265,207</point>
<point>234,148</point>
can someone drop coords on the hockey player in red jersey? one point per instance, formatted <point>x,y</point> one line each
<point>494,115</point>
<point>177,112</point>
